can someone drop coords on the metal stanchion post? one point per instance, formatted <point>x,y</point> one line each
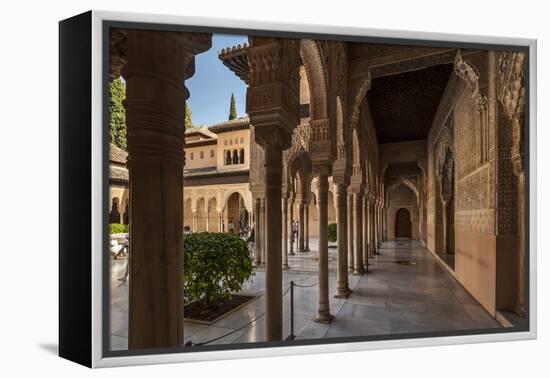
<point>292,310</point>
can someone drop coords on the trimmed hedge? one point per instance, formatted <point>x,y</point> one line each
<point>331,233</point>
<point>215,265</point>
<point>117,228</point>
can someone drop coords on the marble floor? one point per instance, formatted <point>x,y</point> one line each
<point>406,291</point>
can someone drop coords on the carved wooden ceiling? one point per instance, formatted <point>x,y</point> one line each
<point>403,105</point>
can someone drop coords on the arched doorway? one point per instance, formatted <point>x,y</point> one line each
<point>236,214</point>
<point>403,224</point>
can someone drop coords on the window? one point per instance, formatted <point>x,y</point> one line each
<point>227,157</point>
<point>235,157</point>
<point>211,153</point>
<point>191,156</point>
<point>202,154</point>
<point>225,142</point>
<point>241,156</point>
<point>242,140</point>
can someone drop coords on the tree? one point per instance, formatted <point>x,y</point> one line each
<point>117,113</point>
<point>188,120</point>
<point>232,108</point>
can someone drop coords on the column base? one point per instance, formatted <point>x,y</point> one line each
<point>323,317</point>
<point>342,293</point>
<point>291,253</point>
<point>285,267</point>
<point>357,273</point>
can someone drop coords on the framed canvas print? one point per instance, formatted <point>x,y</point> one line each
<point>233,189</point>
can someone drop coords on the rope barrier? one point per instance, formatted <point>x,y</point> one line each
<point>190,343</point>
<point>305,286</point>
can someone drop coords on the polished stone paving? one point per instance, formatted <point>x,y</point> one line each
<point>393,299</point>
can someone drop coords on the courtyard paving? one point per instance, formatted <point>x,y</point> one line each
<point>394,298</point>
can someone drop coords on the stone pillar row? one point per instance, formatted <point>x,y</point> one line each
<point>158,63</point>
<point>342,285</point>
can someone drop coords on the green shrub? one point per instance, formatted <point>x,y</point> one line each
<point>117,228</point>
<point>214,265</point>
<point>331,233</point>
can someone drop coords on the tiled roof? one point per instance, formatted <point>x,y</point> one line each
<point>118,174</point>
<point>117,155</point>
<point>235,124</point>
<point>236,59</point>
<point>213,171</point>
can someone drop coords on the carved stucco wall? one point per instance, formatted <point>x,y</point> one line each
<point>402,197</point>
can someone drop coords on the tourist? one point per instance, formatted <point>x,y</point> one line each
<point>127,250</point>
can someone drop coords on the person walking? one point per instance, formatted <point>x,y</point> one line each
<point>127,248</point>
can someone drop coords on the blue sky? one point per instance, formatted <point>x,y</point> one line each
<point>212,84</point>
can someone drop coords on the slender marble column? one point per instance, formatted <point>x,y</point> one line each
<point>365,234</point>
<point>376,225</point>
<point>155,115</point>
<point>284,211</point>
<point>258,233</point>
<point>263,209</point>
<point>358,229</point>
<point>273,228</point>
<point>195,220</point>
<point>307,228</point>
<point>342,284</point>
<point>207,220</point>
<point>381,225</point>
<point>351,259</point>
<point>323,312</point>
<point>301,215</point>
<point>291,222</point>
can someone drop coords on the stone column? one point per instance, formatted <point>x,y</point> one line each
<point>155,96</point>
<point>521,240</point>
<point>307,227</point>
<point>263,214</point>
<point>351,259</point>
<point>365,234</point>
<point>358,229</point>
<point>342,286</point>
<point>379,214</point>
<point>373,250</point>
<point>323,312</point>
<point>272,229</point>
<point>220,221</point>
<point>273,106</point>
<point>285,232</point>
<point>258,233</point>
<point>301,220</point>
<point>376,225</point>
<point>291,221</point>
<point>195,220</point>
<point>207,220</point>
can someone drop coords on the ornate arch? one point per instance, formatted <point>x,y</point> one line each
<point>402,181</point>
<point>247,201</point>
<point>316,76</point>
<point>358,92</point>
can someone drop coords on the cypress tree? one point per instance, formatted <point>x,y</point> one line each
<point>117,113</point>
<point>188,121</point>
<point>232,108</point>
